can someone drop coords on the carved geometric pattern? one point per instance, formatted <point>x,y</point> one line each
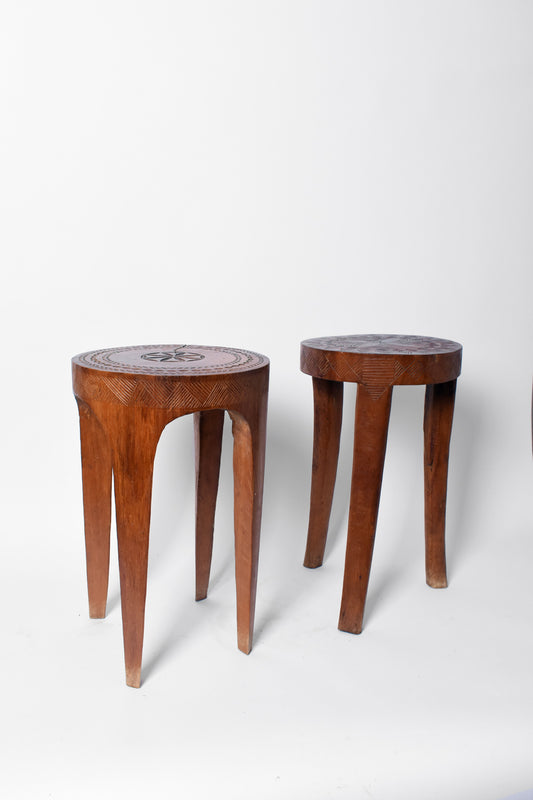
<point>121,389</point>
<point>178,354</point>
<point>171,360</point>
<point>385,344</point>
<point>379,361</point>
<point>168,376</point>
<point>376,374</point>
<point>138,391</point>
<point>323,365</point>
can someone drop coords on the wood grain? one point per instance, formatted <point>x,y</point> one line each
<point>96,479</point>
<point>249,433</point>
<point>122,415</point>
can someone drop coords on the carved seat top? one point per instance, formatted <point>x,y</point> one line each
<point>169,376</point>
<point>172,360</point>
<point>381,360</point>
<point>384,344</point>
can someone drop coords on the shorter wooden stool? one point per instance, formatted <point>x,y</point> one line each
<point>125,397</point>
<point>376,363</point>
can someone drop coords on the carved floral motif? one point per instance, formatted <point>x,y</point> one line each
<point>176,355</point>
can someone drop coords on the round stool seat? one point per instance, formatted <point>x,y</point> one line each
<point>378,360</point>
<point>165,376</point>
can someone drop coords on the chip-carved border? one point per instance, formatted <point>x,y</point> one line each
<point>130,390</point>
<point>366,360</point>
<point>243,361</point>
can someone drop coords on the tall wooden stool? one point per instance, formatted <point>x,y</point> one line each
<point>125,397</point>
<point>376,363</point>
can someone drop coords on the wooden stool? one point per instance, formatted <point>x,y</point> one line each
<point>376,363</point>
<point>125,397</point>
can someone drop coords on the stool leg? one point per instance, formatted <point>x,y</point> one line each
<point>96,478</point>
<point>208,426</point>
<point>249,432</point>
<point>328,397</point>
<point>134,433</point>
<point>371,428</point>
<point>438,417</point>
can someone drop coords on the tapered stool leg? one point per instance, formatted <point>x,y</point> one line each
<point>371,428</point>
<point>328,396</point>
<point>134,433</point>
<point>208,427</point>
<point>96,478</point>
<point>438,418</point>
<point>249,431</point>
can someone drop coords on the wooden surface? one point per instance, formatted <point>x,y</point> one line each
<point>125,397</point>
<point>438,418</point>
<point>96,478</point>
<point>328,400</point>
<point>370,442</point>
<point>376,363</point>
<point>208,427</point>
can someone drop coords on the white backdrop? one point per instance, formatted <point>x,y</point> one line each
<point>251,174</point>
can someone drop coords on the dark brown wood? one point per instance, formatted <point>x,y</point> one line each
<point>438,418</point>
<point>380,360</point>
<point>328,397</point>
<point>208,427</point>
<point>370,442</point>
<point>377,363</point>
<point>126,396</point>
<point>96,479</point>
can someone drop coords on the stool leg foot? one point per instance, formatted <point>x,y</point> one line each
<point>134,432</point>
<point>438,418</point>
<point>249,431</point>
<point>328,397</point>
<point>96,477</point>
<point>371,428</point>
<point>208,426</point>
